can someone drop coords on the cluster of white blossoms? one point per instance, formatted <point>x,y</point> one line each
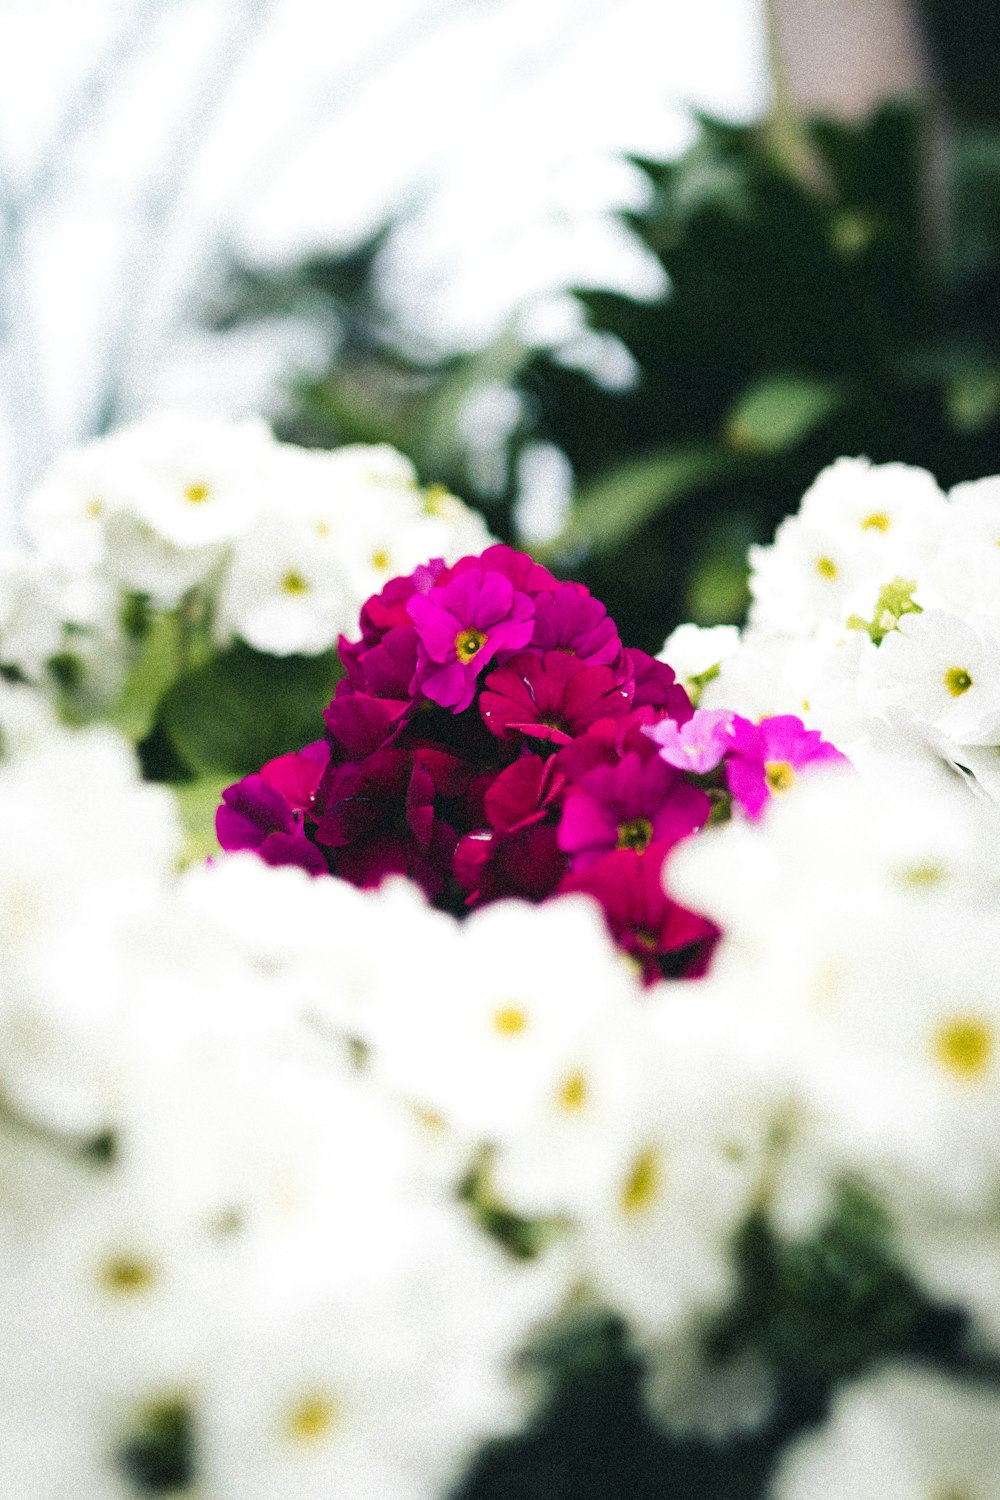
<point>230,1264</point>
<point>875,618</point>
<point>857,975</point>
<point>273,544</point>
<point>250,1123</point>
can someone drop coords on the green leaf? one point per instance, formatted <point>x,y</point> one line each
<point>244,707</point>
<point>972,399</point>
<point>779,411</point>
<point>618,504</point>
<point>198,801</point>
<point>152,673</point>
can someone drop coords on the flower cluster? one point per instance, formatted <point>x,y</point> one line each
<point>492,737</point>
<point>256,540</point>
<point>876,616</point>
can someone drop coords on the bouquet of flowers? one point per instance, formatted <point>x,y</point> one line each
<point>568,1072</point>
<point>492,738</point>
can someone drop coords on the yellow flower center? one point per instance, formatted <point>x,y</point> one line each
<point>964,1047</point>
<point>294,583</point>
<point>779,776</point>
<point>128,1274</point>
<point>635,834</point>
<point>923,875</point>
<point>380,559</point>
<point>468,643</point>
<point>573,1093</point>
<point>312,1418</point>
<point>197,494</point>
<point>434,496</point>
<point>877,521</point>
<point>826,567</point>
<point>95,508</point>
<point>957,681</point>
<point>642,1183</point>
<point>510,1020</point>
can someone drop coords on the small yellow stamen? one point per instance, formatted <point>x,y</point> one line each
<point>957,681</point>
<point>322,528</point>
<point>826,567</point>
<point>779,776</point>
<point>642,1183</point>
<point>312,1418</point>
<point>573,1093</point>
<point>128,1274</point>
<point>923,875</point>
<point>964,1047</point>
<point>510,1020</point>
<point>294,583</point>
<point>197,494</point>
<point>380,559</point>
<point>877,521</point>
<point>434,497</point>
<point>95,508</point>
<point>468,643</point>
<point>635,834</point>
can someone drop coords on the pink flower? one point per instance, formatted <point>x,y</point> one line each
<point>698,745</point>
<point>461,627</point>
<point>765,758</point>
<point>629,806</point>
<point>569,619</point>
<point>550,697</point>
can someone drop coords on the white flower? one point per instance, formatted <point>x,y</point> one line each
<point>902,1434</point>
<point>31,612</point>
<point>487,1027</point>
<point>691,1143</point>
<point>938,672</point>
<point>696,651</point>
<point>894,509</point>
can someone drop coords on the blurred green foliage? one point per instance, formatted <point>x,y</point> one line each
<point>835,308</point>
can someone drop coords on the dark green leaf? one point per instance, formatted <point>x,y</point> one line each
<point>244,708</point>
<point>618,504</point>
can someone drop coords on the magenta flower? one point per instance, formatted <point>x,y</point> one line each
<point>383,668</point>
<point>656,685</point>
<point>697,745</point>
<point>765,758</point>
<point>461,627</point>
<point>570,619</point>
<point>550,697</point>
<point>380,816</point>
<point>657,932</point>
<point>361,724</point>
<point>527,576</point>
<point>256,815</point>
<point>629,806</point>
<point>382,612</point>
<point>517,855</point>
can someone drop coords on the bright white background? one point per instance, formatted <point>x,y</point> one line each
<point>145,144</point>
